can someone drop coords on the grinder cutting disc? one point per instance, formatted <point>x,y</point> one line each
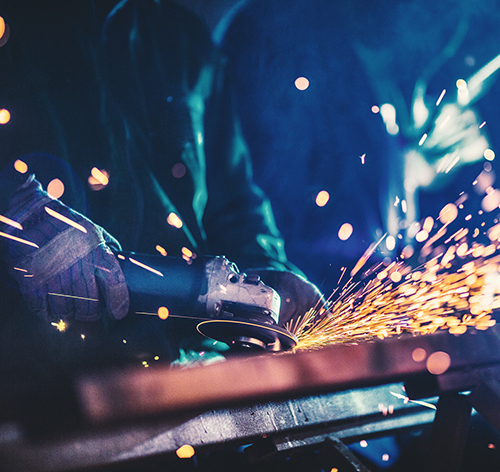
<point>247,335</point>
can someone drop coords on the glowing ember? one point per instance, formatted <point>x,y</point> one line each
<point>345,231</point>
<point>73,296</point>
<point>185,452</point>
<point>174,220</point>
<point>418,354</point>
<point>19,240</point>
<point>101,176</point>
<point>98,179</point>
<point>21,166</point>
<point>440,97</point>
<point>66,220</point>
<point>60,325</point>
<point>422,139</point>
<point>8,221</point>
<point>302,83</point>
<point>161,250</point>
<point>55,188</point>
<point>4,116</point>
<point>438,362</point>
<point>322,198</point>
<point>187,252</point>
<point>145,266</point>
<point>489,154</point>
<point>163,313</point>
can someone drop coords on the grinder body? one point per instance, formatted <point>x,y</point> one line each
<point>232,307</point>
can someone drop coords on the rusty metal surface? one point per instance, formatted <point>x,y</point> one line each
<point>142,392</point>
<point>135,415</point>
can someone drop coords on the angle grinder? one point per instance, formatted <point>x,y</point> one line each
<point>232,307</point>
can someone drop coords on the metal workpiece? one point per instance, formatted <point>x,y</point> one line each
<point>284,425</point>
<point>289,400</point>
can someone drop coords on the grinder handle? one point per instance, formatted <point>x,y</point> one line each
<point>156,281</point>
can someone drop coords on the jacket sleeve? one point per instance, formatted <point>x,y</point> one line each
<point>167,51</point>
<point>239,219</point>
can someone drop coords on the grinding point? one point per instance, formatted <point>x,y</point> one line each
<point>247,335</point>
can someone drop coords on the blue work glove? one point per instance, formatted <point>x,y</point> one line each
<point>298,295</point>
<point>63,271</point>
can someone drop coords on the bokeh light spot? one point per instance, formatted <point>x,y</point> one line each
<point>407,251</point>
<point>418,354</point>
<point>396,277</point>
<point>382,275</point>
<point>187,252</point>
<point>60,325</point>
<point>301,83</point>
<point>375,109</point>
<point>390,243</point>
<point>489,154</point>
<point>345,231</point>
<point>163,312</point>
<point>461,84</point>
<point>185,452</point>
<point>55,188</point>
<point>421,236</point>
<point>438,362</point>
<point>174,220</point>
<point>98,179</point>
<point>491,201</point>
<point>4,116</point>
<point>457,330</point>
<point>161,250</point>
<point>4,32</point>
<point>428,224</point>
<point>21,166</point>
<point>100,175</point>
<point>448,213</point>
<point>179,170</point>
<point>322,198</point>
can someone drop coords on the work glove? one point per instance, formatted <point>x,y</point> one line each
<point>454,138</point>
<point>62,261</point>
<point>298,295</point>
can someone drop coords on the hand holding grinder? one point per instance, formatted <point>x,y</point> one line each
<point>64,264</point>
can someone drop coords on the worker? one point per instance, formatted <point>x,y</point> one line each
<point>350,111</point>
<point>148,106</point>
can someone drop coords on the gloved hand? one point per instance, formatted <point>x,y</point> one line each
<point>66,272</point>
<point>298,295</point>
<point>455,129</point>
<point>453,140</point>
